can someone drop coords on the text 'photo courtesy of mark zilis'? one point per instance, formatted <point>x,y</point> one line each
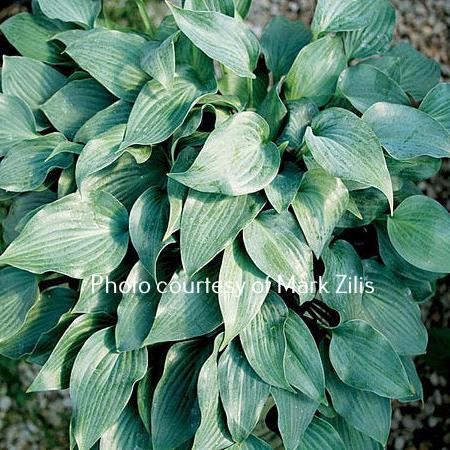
<point>342,285</point>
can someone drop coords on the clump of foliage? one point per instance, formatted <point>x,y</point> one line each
<point>196,153</point>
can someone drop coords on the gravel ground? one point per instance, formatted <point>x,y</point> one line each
<point>40,421</point>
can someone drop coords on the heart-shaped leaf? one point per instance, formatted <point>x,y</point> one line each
<point>277,247</point>
<point>318,206</point>
<point>158,112</point>
<point>364,85</point>
<point>237,158</point>
<point>221,37</point>
<point>364,359</point>
<point>241,303</point>
<point>264,341</point>
<point>83,12</point>
<point>210,222</point>
<point>347,148</point>
<point>186,296</point>
<point>420,232</point>
<point>113,58</point>
<point>406,132</point>
<point>51,242</point>
<point>315,71</point>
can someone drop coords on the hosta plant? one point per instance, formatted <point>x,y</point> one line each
<point>215,241</point>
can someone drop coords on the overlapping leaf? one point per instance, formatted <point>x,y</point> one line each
<point>93,229</point>
<point>237,159</point>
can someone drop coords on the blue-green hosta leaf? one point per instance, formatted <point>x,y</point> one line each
<point>399,265</point>
<point>277,247</point>
<point>415,169</point>
<point>22,206</point>
<point>31,35</point>
<point>101,384</point>
<point>242,7</point>
<point>222,38</point>
<point>366,411</point>
<point>342,266</point>
<point>177,192</point>
<point>272,109</point>
<point>76,102</point>
<point>406,132</point>
<point>437,104</point>
<point>148,222</point>
<point>300,115</point>
<point>419,230</point>
<point>222,6</point>
<point>283,189</point>
<point>367,205</point>
<point>158,60</point>
<point>264,341</point>
<point>158,112</point>
<point>66,147</point>
<point>295,413</point>
<point>125,179</point>
<point>364,359</point>
<point>127,432</point>
<point>332,16</point>
<point>33,81</point>
<point>113,58</point>
<point>136,310</point>
<point>100,152</point>
<point>144,396</point>
<point>48,340</point>
<point>188,308</point>
<point>391,310</point>
<point>251,443</point>
<point>320,203</point>
<point>315,71</point>
<point>390,65</point>
<point>352,438</point>
<point>210,222</point>
<point>212,432</point>
<point>375,37</point>
<point>347,148</point>
<point>25,167</point>
<point>238,158</point>
<point>175,414</point>
<point>187,129</point>
<point>281,41</point>
<point>240,304</point>
<point>243,393</point>
<point>303,364</point>
<point>418,74</point>
<point>17,122</point>
<point>42,317</point>
<point>320,435</point>
<point>364,85</point>
<point>18,292</point>
<point>411,370</point>
<point>249,92</point>
<point>83,12</point>
<point>96,296</point>
<point>74,236</point>
<point>116,114</point>
<point>55,373</point>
